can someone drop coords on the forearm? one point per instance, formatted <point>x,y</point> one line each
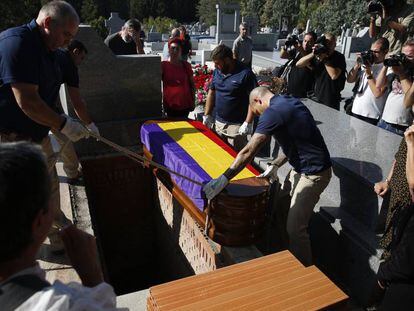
<point>391,171</point>
<point>246,155</point>
<point>210,102</point>
<point>372,28</point>
<point>397,27</point>
<point>405,83</point>
<point>305,61</point>
<point>352,76</point>
<point>82,112</point>
<point>38,111</point>
<point>280,160</point>
<point>382,78</point>
<point>410,169</point>
<point>378,92</point>
<point>333,72</point>
<point>409,97</point>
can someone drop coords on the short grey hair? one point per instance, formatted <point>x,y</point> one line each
<point>59,11</point>
<point>133,23</point>
<point>175,33</point>
<point>259,91</point>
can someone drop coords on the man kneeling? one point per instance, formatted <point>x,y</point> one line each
<point>26,218</point>
<point>292,124</point>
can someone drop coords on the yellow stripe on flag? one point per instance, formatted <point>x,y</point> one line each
<point>209,156</point>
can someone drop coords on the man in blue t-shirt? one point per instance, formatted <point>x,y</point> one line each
<point>292,124</point>
<point>227,106</point>
<point>30,78</point>
<point>69,59</point>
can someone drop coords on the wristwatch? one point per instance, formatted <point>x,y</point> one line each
<point>370,77</point>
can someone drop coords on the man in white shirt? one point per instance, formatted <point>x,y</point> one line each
<point>369,100</point>
<point>26,218</point>
<point>175,33</point>
<point>397,115</point>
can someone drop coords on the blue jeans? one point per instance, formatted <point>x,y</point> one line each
<point>393,128</point>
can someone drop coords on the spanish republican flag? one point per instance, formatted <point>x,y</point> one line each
<point>193,150</point>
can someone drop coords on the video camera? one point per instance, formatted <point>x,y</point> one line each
<point>290,45</point>
<point>321,46</point>
<point>376,6</point>
<point>366,58</point>
<point>399,59</point>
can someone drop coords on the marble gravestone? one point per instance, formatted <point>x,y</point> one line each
<point>228,21</point>
<point>114,23</point>
<point>119,91</point>
<point>360,43</point>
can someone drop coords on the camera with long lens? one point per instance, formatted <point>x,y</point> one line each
<point>377,6</point>
<point>321,46</point>
<point>366,58</point>
<point>290,45</point>
<point>396,60</point>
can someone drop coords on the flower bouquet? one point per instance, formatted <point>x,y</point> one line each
<point>202,78</point>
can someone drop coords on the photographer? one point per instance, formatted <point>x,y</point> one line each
<point>397,75</point>
<point>299,80</point>
<point>329,69</point>
<point>392,20</point>
<point>369,100</point>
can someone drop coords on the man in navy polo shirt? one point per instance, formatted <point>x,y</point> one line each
<point>69,59</point>
<point>293,126</point>
<point>30,78</point>
<point>227,106</point>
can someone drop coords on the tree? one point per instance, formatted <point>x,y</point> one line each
<point>273,10</point>
<point>89,10</point>
<point>253,8</point>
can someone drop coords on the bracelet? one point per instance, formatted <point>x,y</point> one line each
<point>387,181</point>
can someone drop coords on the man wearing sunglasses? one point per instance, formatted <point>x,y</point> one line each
<point>370,99</point>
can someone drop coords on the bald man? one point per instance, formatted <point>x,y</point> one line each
<point>291,123</point>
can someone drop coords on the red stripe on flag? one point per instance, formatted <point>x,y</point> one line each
<point>214,137</point>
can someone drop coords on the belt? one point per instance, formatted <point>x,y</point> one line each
<point>397,126</point>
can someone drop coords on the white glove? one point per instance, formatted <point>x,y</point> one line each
<point>215,186</point>
<point>270,172</point>
<point>94,129</point>
<point>208,121</point>
<point>74,130</point>
<point>246,128</point>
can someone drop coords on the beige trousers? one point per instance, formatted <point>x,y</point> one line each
<point>60,219</point>
<point>68,155</point>
<point>230,134</point>
<point>305,191</point>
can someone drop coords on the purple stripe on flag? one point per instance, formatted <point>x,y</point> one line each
<point>167,152</point>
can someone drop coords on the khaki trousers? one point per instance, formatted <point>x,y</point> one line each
<point>230,134</point>
<point>305,191</point>
<point>68,155</point>
<point>60,219</point>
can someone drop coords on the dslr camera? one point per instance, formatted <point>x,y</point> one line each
<point>290,45</point>
<point>376,6</point>
<point>366,58</point>
<point>321,46</point>
<point>396,60</point>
